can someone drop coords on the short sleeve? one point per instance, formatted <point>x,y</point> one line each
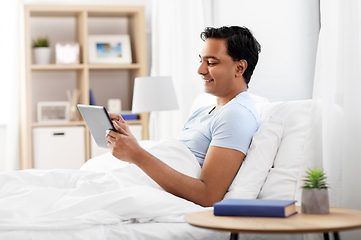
<point>234,128</point>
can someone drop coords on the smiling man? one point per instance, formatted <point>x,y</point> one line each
<point>227,60</point>
<point>218,136</point>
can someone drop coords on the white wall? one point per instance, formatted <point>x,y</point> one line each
<point>288,34</point>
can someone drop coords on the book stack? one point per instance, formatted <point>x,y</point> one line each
<point>255,208</point>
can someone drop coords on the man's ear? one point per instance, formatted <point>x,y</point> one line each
<point>241,67</point>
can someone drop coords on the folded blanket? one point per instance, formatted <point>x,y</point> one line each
<point>104,191</point>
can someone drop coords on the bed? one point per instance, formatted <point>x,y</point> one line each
<point>108,199</point>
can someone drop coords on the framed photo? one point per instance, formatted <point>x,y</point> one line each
<point>109,49</point>
<point>53,111</point>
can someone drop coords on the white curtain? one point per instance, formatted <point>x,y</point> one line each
<point>10,64</point>
<point>337,88</point>
<point>176,27</point>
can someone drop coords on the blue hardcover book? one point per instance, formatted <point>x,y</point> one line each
<point>255,208</point>
<point>91,98</point>
<point>130,116</point>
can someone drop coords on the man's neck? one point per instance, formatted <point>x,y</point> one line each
<point>221,101</point>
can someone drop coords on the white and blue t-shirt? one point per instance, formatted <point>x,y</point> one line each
<point>230,126</point>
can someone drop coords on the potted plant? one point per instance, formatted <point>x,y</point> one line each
<point>41,50</point>
<point>315,192</point>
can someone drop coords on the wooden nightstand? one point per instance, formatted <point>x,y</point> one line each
<point>339,219</point>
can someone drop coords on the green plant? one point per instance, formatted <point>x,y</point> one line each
<point>41,42</point>
<point>315,178</point>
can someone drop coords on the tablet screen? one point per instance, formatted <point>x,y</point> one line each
<point>98,121</point>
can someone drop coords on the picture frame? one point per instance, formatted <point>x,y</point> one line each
<point>53,111</point>
<point>109,49</point>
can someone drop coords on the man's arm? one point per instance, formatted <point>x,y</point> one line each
<point>219,169</point>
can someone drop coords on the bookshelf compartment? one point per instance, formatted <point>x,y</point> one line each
<point>58,28</point>
<point>111,84</point>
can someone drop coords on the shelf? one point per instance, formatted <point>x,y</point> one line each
<point>57,67</point>
<point>114,66</point>
<point>73,10</point>
<point>132,122</point>
<point>82,66</point>
<point>59,124</point>
<point>44,11</point>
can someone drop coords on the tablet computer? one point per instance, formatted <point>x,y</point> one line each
<point>98,121</point>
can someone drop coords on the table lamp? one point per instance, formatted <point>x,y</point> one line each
<point>154,94</point>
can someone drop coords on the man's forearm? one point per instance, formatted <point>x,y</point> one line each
<point>175,182</point>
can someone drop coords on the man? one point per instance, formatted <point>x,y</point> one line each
<point>219,136</point>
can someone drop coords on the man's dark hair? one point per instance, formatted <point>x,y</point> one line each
<point>241,44</point>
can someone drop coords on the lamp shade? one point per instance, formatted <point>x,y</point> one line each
<point>154,94</point>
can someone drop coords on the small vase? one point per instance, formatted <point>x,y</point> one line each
<point>42,55</point>
<point>315,201</point>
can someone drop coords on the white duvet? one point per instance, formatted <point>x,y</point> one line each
<point>104,191</point>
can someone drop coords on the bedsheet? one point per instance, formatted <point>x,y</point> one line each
<point>104,191</point>
<point>121,231</point>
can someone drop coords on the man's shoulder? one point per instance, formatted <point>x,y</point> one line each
<point>242,110</point>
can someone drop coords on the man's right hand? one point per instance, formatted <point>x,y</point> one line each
<point>118,120</point>
<point>116,117</point>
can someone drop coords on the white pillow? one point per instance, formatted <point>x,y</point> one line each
<point>259,160</point>
<point>285,177</point>
<point>258,99</point>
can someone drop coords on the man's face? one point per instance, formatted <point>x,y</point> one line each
<point>217,68</point>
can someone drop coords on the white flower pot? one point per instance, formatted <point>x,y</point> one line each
<point>315,201</point>
<point>42,55</point>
